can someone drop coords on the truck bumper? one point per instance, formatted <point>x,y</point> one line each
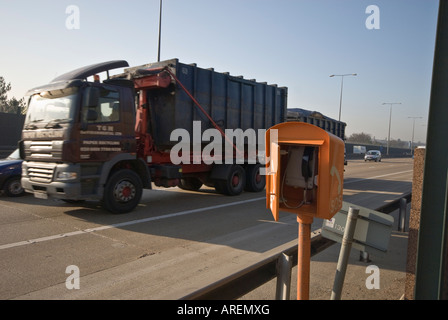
<point>46,180</point>
<point>58,190</point>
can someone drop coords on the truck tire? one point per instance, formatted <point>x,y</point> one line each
<point>122,192</point>
<point>255,182</point>
<point>234,183</point>
<point>192,184</point>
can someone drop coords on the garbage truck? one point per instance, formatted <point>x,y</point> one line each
<point>165,124</point>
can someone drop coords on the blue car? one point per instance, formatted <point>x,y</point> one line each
<point>10,174</point>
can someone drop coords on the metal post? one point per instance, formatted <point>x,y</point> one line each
<point>342,87</point>
<point>340,99</point>
<point>388,135</point>
<point>284,266</point>
<point>304,257</point>
<point>160,31</point>
<point>390,120</point>
<point>344,254</point>
<point>402,214</point>
<point>413,127</point>
<point>364,256</point>
<point>431,273</point>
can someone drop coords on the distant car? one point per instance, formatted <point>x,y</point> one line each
<point>10,175</point>
<point>373,155</point>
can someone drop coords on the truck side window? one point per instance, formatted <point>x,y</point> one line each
<point>108,108</point>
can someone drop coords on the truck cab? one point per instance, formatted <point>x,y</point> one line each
<point>78,140</point>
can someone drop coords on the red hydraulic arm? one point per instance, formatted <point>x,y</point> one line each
<point>161,79</point>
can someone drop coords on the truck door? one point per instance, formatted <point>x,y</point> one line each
<point>105,132</point>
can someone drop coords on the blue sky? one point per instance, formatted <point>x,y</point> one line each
<point>292,43</point>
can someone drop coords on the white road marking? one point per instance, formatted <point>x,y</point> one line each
<point>167,216</point>
<point>375,177</point>
<point>126,223</point>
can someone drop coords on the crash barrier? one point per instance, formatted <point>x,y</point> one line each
<point>401,205</point>
<point>358,150</point>
<point>279,265</point>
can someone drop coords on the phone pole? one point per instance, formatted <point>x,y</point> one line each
<point>304,257</point>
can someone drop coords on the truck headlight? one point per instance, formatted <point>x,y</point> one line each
<point>67,175</point>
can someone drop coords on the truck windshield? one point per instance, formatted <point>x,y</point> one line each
<point>50,109</point>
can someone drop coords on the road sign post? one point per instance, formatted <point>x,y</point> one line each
<point>358,227</point>
<point>346,247</point>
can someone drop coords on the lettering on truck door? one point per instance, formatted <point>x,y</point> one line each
<point>102,138</point>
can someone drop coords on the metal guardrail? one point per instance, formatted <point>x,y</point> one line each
<point>250,278</point>
<point>394,205</point>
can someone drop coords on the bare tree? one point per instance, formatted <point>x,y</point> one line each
<point>360,138</point>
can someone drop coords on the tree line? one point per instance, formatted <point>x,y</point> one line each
<point>365,138</point>
<point>10,105</point>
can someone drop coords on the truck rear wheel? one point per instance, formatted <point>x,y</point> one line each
<point>122,192</point>
<point>255,182</point>
<point>234,183</point>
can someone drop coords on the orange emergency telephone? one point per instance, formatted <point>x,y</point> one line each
<point>305,171</point>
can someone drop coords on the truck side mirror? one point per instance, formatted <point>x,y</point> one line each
<point>305,171</point>
<point>91,97</point>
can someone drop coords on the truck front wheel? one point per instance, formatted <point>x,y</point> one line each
<point>122,192</point>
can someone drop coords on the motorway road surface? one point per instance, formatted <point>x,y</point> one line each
<point>174,243</point>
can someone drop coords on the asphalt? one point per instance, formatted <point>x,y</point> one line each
<point>381,277</point>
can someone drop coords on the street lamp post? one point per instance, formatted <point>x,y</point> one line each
<point>412,141</point>
<point>342,86</point>
<point>390,120</point>
<point>160,31</point>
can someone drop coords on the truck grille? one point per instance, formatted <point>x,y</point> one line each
<point>43,150</point>
<point>41,174</point>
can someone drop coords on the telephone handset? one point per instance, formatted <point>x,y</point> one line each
<point>307,159</point>
<point>300,169</point>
